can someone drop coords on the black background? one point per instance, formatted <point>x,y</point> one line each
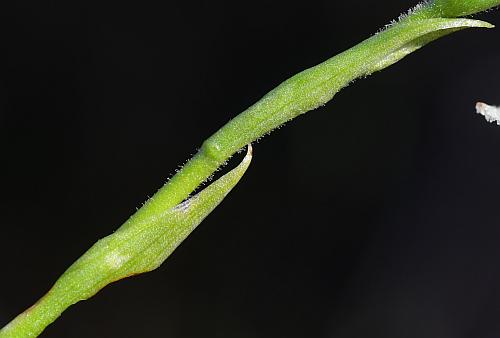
<point>374,216</point>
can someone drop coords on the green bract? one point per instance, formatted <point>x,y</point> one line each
<point>138,248</point>
<point>155,230</point>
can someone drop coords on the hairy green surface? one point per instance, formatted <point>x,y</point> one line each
<point>155,230</point>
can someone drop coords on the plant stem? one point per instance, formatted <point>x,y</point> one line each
<point>154,231</point>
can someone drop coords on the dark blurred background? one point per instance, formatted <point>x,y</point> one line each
<point>374,216</point>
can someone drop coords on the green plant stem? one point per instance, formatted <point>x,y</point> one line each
<point>301,93</point>
<point>456,8</point>
<point>154,231</point>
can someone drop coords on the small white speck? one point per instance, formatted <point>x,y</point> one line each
<point>491,113</point>
<point>115,260</point>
